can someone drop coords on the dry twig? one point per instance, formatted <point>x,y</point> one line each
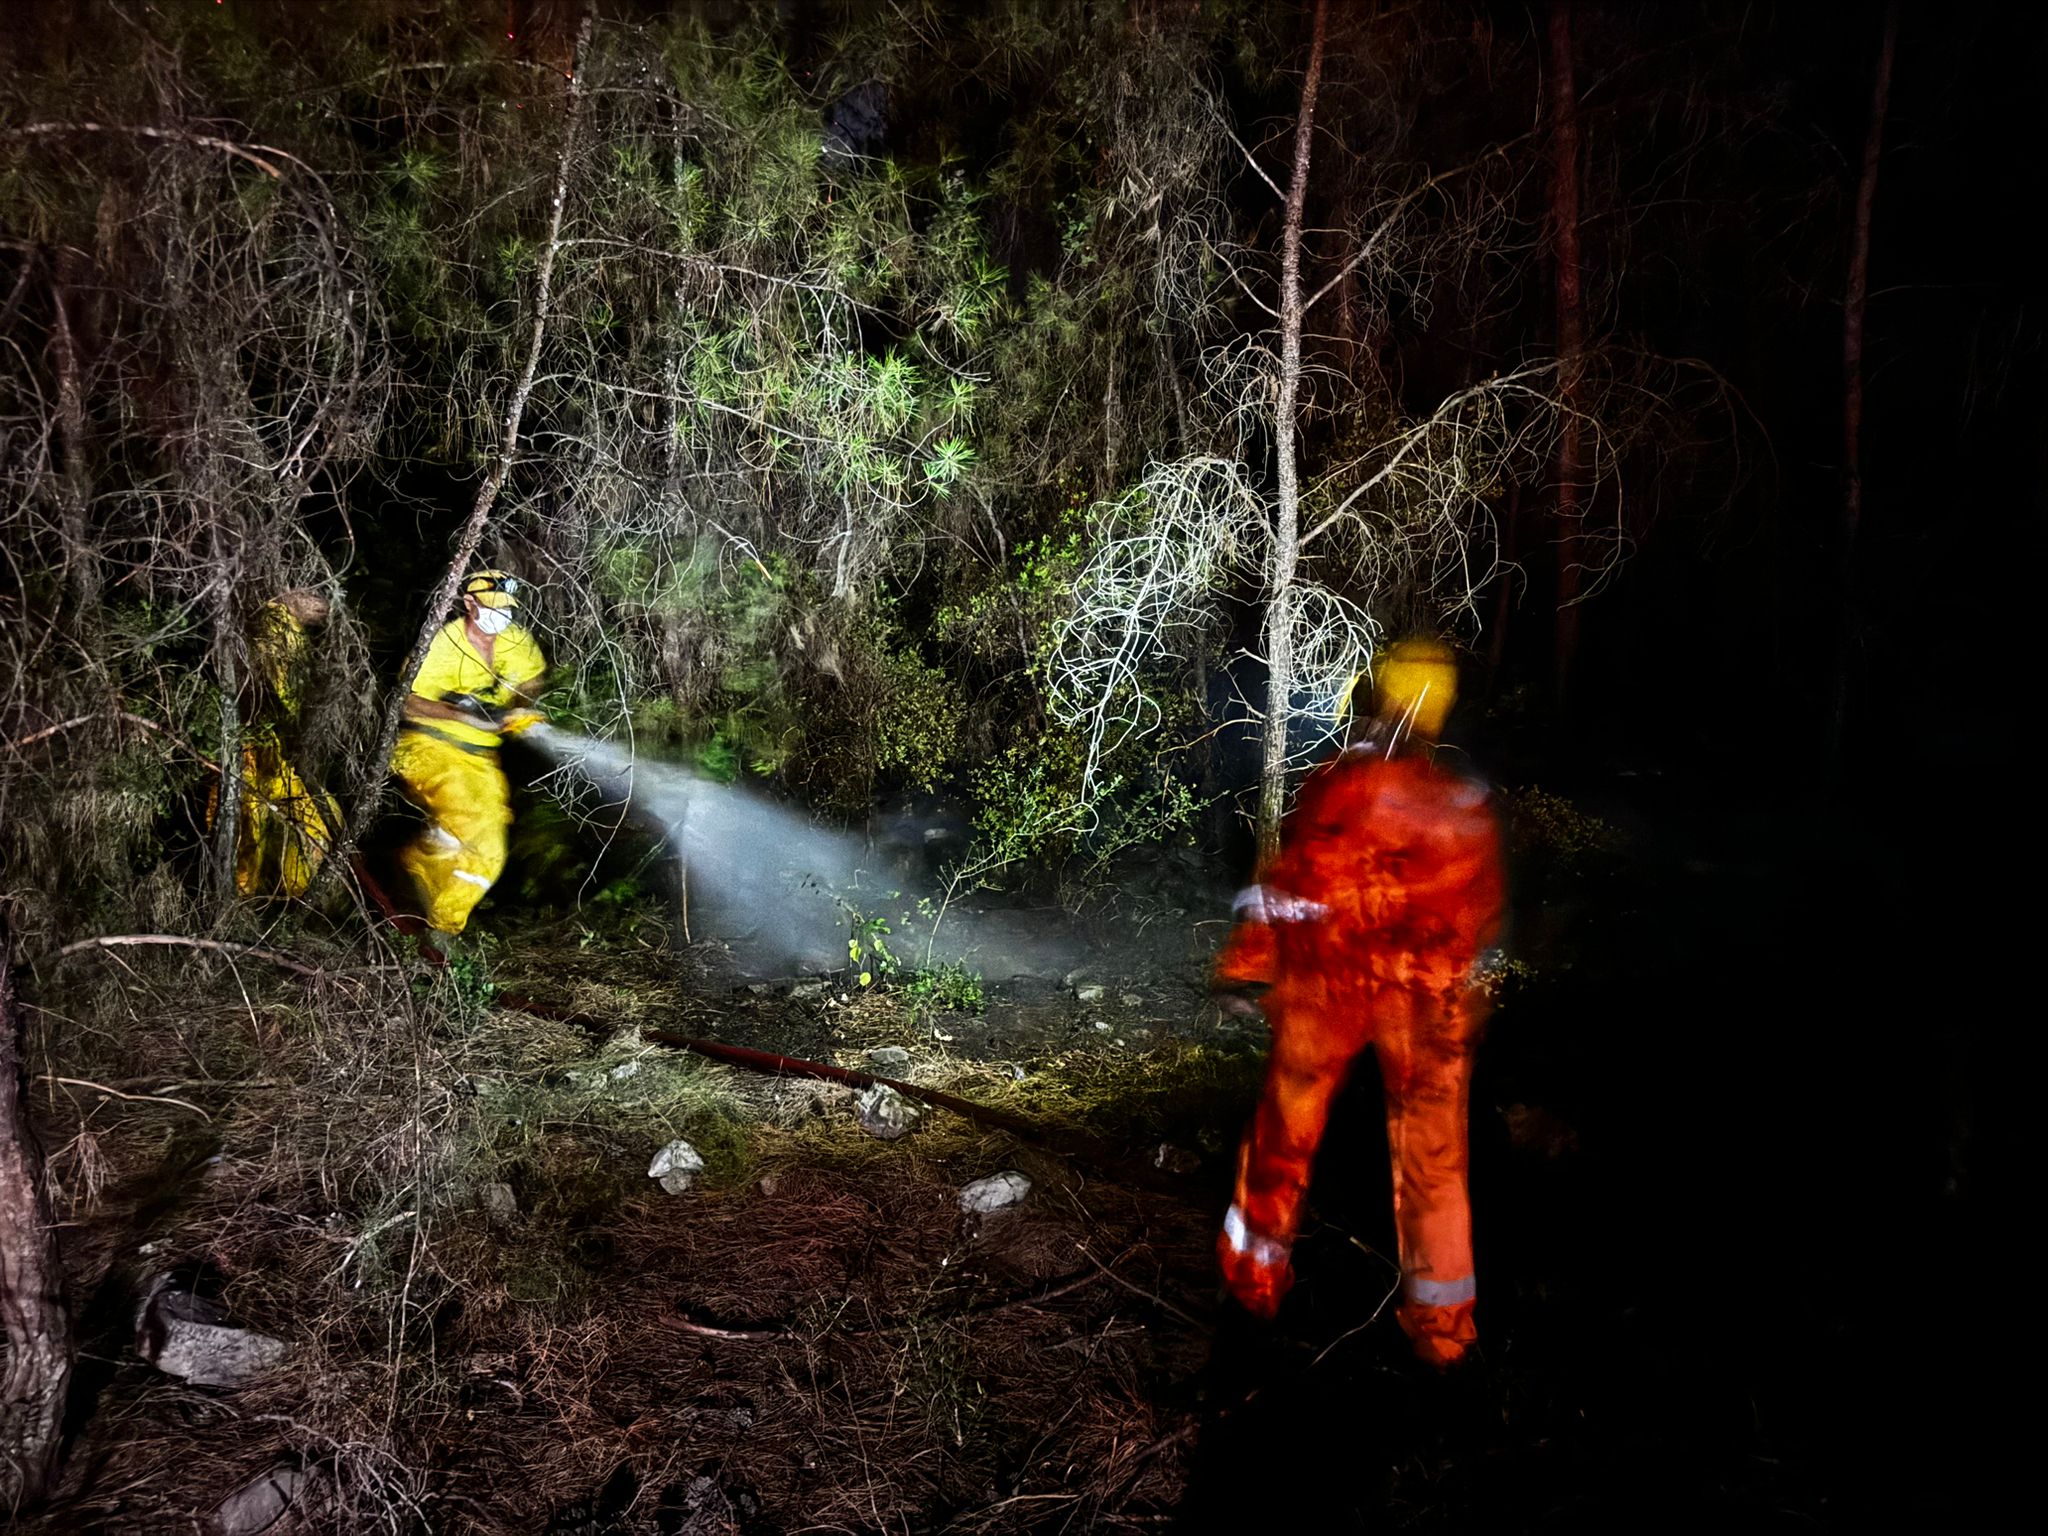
<point>180,941</point>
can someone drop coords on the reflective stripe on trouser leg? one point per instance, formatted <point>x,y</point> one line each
<point>1242,1239</point>
<point>1440,1293</point>
<point>461,853</point>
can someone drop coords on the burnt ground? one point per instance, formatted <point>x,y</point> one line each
<point>1727,1151</point>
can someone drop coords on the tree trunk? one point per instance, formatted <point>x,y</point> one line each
<point>227,645</point>
<point>37,1370</point>
<point>370,788</point>
<point>1287,529</point>
<point>1571,342</point>
<point>81,556</point>
<point>1112,431</point>
<point>1854,298</point>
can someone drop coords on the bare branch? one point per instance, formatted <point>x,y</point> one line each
<point>1252,160</point>
<point>1372,244</point>
<point>161,135</point>
<point>179,941</point>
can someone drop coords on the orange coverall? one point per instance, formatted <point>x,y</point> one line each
<point>1368,927</point>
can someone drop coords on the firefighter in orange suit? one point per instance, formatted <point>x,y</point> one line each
<point>1368,928</point>
<point>477,685</point>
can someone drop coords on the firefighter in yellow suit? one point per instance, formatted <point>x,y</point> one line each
<point>477,685</point>
<point>285,827</point>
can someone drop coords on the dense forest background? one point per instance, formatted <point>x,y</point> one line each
<point>1040,412</point>
<point>909,376</point>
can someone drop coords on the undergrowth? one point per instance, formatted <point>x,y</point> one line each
<point>337,1153</point>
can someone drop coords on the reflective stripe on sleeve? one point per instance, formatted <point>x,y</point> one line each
<point>1263,904</point>
<point>472,877</point>
<point>1442,1293</point>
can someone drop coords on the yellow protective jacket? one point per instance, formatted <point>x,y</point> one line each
<point>456,673</point>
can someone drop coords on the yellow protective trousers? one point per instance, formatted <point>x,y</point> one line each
<point>284,829</point>
<point>468,802</point>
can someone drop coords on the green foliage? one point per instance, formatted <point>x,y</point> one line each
<point>658,719</point>
<point>868,955</point>
<point>717,758</point>
<point>1032,809</point>
<point>613,881</point>
<point>720,618</point>
<point>917,727</point>
<point>469,974</point>
<point>463,984</point>
<point>803,465</point>
<point>871,960</point>
<point>1009,619</point>
<point>949,985</point>
<point>950,460</point>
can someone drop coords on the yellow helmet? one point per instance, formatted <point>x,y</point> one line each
<point>493,589</point>
<point>1417,680</point>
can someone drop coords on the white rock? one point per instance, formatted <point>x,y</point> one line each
<point>676,1166</point>
<point>1088,992</point>
<point>187,1336</point>
<point>887,1114</point>
<point>891,1059</point>
<point>1133,999</point>
<point>261,1506</point>
<point>994,1193</point>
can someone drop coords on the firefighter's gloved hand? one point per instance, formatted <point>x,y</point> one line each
<point>518,720</point>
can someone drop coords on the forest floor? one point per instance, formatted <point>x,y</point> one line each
<point>500,1322</point>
